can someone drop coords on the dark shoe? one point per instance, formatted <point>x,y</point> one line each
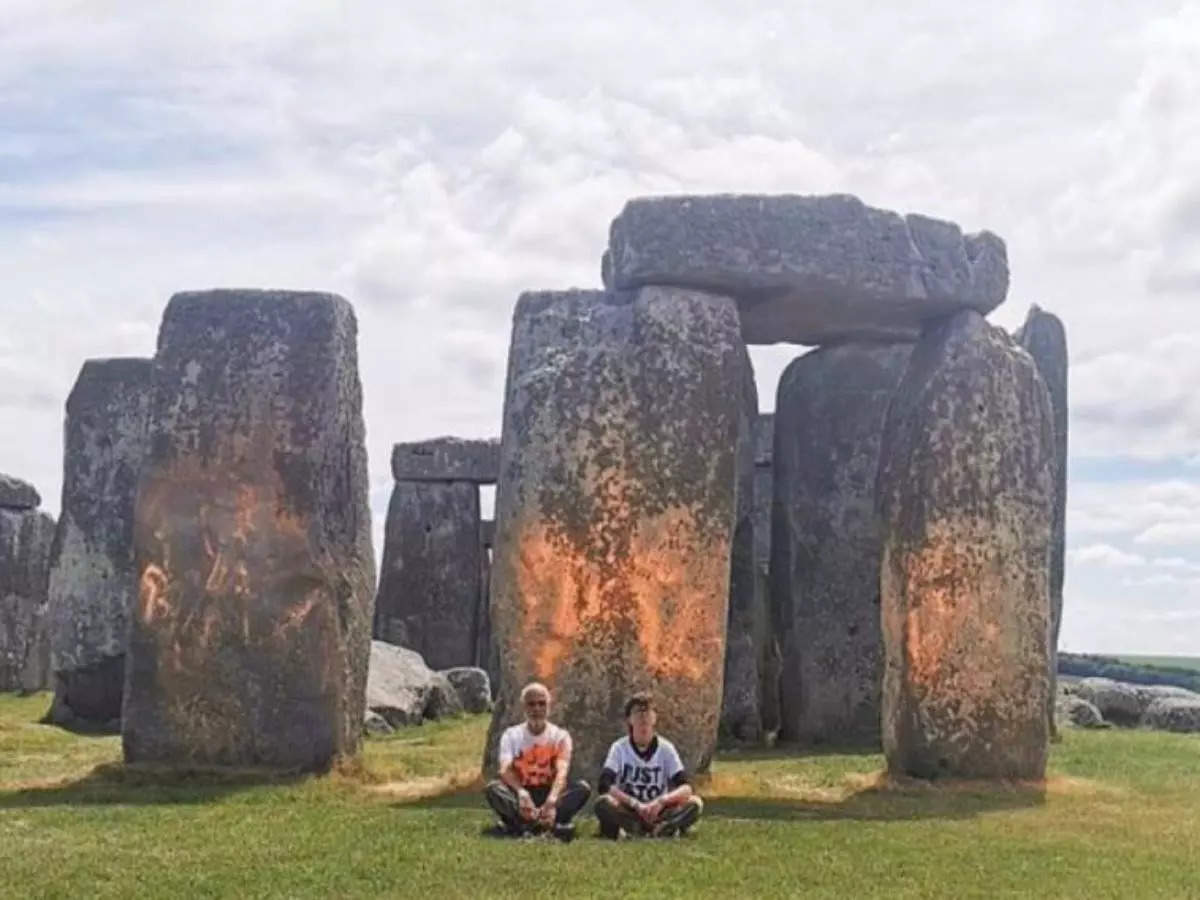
<point>565,832</point>
<point>678,823</point>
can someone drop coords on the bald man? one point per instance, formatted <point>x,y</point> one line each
<point>531,795</point>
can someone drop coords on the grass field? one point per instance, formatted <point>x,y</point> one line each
<point>1180,662</point>
<point>1119,816</point>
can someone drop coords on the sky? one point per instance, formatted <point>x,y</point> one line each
<point>430,161</point>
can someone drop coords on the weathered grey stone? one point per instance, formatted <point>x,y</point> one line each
<point>1117,701</point>
<point>447,459</point>
<point>809,270</point>
<point>615,511</point>
<point>93,575</point>
<point>376,725</point>
<point>252,533</point>
<point>487,532</point>
<point>770,662</point>
<point>399,684</point>
<point>16,494</point>
<point>1079,712</point>
<point>25,538</point>
<point>444,701</point>
<point>429,586</point>
<point>966,496</point>
<point>473,686</point>
<point>741,702</point>
<point>1045,339</point>
<point>1174,714</point>
<point>1148,693</point>
<point>404,690</point>
<point>826,540</point>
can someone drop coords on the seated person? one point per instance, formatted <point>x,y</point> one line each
<point>644,789</point>
<point>531,795</point>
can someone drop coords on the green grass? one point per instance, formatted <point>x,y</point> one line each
<point>1176,662</point>
<point>1119,816</point>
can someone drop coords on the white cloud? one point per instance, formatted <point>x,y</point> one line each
<point>430,163</point>
<point>1106,555</point>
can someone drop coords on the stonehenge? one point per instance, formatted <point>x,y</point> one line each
<point>26,534</point>
<point>878,562</point>
<point>250,636</point>
<point>93,577</point>
<point>615,511</point>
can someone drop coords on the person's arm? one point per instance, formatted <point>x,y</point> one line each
<point>509,775</point>
<point>608,785</point>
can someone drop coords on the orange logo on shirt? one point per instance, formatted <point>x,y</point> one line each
<point>535,765</point>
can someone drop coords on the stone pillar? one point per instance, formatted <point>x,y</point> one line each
<point>429,585</point>
<point>25,538</point>
<point>615,511</point>
<point>770,662</point>
<point>966,497</point>
<point>93,578</point>
<point>486,655</point>
<point>433,560</point>
<point>250,638</point>
<point>741,703</point>
<point>829,418</point>
<point>1044,337</point>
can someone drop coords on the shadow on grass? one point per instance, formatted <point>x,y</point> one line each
<point>908,802</point>
<point>119,784</point>
<point>781,751</point>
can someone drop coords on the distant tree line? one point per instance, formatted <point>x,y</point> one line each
<point>1085,665</point>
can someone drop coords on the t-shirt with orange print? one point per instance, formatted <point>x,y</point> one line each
<point>534,756</point>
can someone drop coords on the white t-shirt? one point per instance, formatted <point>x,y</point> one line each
<point>534,756</point>
<point>643,777</point>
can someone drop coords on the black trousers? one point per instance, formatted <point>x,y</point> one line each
<point>614,816</point>
<point>504,803</point>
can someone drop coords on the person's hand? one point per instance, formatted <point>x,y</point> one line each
<point>651,811</point>
<point>525,803</point>
<point>547,812</point>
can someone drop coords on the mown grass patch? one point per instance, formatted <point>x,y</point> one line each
<point>1119,816</point>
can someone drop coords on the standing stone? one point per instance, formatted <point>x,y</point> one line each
<point>615,511</point>
<point>741,704</point>
<point>826,544</point>
<point>486,655</point>
<point>770,662</point>
<point>429,586</point>
<point>93,577</point>
<point>966,497</point>
<point>250,639</point>
<point>25,538</point>
<point>810,270</point>
<point>1045,338</point>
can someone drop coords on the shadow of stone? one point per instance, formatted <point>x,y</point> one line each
<point>906,801</point>
<point>116,783</point>
<point>789,750</point>
<point>874,805</point>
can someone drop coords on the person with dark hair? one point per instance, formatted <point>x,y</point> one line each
<point>531,796</point>
<point>644,787</point>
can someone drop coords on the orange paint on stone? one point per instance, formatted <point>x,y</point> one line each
<point>565,595</point>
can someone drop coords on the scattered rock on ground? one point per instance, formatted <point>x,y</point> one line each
<point>1174,714</point>
<point>473,686</point>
